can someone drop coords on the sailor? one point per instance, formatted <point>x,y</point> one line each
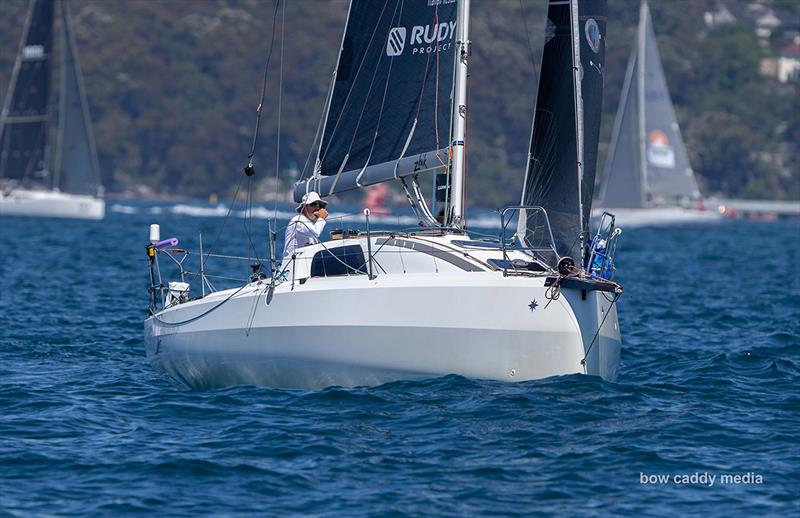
<point>305,228</point>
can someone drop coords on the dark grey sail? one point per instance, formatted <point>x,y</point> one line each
<point>647,163</point>
<point>76,167</point>
<point>563,153</point>
<point>389,110</point>
<point>622,184</point>
<point>25,119</point>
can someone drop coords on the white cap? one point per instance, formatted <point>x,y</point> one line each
<point>309,198</point>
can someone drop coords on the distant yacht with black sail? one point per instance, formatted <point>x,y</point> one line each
<point>376,306</point>
<point>48,171</point>
<point>648,178</point>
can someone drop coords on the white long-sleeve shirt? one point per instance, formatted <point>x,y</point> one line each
<point>300,232</point>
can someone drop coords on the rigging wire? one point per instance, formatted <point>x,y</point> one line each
<point>603,321</point>
<point>280,105</point>
<point>249,170</point>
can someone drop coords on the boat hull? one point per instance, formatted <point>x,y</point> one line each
<point>51,204</point>
<point>661,216</point>
<point>321,334</point>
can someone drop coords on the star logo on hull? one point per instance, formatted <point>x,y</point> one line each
<point>533,305</point>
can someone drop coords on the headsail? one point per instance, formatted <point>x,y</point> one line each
<point>77,170</point>
<point>24,121</point>
<point>623,181</point>
<point>389,111</point>
<point>647,159</point>
<point>563,153</point>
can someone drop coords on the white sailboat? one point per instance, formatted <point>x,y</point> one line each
<point>33,181</point>
<point>648,178</point>
<point>373,306</point>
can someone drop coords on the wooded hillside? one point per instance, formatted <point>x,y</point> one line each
<point>173,86</point>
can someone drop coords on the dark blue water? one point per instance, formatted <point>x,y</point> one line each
<point>708,386</point>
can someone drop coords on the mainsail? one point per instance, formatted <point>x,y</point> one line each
<point>647,158</point>
<point>566,127</point>
<point>25,133</point>
<point>388,113</point>
<point>25,119</point>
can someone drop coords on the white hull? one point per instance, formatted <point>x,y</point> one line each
<point>660,216</point>
<point>50,204</point>
<point>355,331</point>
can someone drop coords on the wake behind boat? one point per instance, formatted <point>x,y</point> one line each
<point>648,178</point>
<point>371,306</point>
<point>32,182</point>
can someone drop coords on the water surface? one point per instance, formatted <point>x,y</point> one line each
<point>708,385</point>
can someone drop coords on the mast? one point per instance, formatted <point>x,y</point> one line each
<point>640,86</point>
<point>577,72</point>
<point>458,187</point>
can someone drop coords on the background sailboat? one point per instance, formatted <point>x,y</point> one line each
<point>648,177</point>
<point>34,181</point>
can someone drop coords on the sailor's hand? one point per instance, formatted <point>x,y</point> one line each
<point>322,213</point>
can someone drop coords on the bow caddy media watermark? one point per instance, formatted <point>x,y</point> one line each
<point>701,479</point>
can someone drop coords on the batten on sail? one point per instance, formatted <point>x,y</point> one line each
<point>566,126</point>
<point>389,111</point>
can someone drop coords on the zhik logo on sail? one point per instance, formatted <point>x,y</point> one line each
<point>425,39</point>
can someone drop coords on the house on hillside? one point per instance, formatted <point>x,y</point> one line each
<point>767,20</point>
<point>789,62</point>
<point>718,15</point>
<point>786,66</point>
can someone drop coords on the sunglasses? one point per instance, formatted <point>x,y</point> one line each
<point>317,205</point>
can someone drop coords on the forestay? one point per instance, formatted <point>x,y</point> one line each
<point>388,113</point>
<point>563,152</point>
